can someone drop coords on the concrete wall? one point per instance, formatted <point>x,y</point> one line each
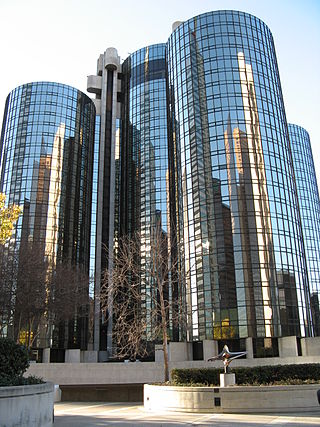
<point>138,372</point>
<point>235,399</point>
<point>27,406</point>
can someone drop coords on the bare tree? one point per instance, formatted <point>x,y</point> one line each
<point>68,298</point>
<point>8,280</point>
<point>31,294</point>
<point>137,296</point>
<point>37,297</point>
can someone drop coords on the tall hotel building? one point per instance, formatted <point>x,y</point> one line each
<point>191,136</point>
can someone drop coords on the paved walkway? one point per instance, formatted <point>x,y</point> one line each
<point>69,414</point>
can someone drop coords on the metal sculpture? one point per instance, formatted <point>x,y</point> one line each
<point>227,357</point>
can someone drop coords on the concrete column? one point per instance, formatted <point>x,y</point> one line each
<point>89,356</point>
<point>210,349</point>
<point>46,355</point>
<point>249,348</point>
<point>180,351</point>
<point>310,346</point>
<point>288,346</point>
<point>72,356</point>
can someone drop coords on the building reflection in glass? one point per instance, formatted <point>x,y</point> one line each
<point>46,167</point>
<point>235,181</point>
<point>144,167</point>
<point>309,202</point>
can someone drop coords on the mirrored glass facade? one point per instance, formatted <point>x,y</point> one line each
<point>145,168</point>
<point>237,203</point>
<point>46,168</point>
<point>309,203</point>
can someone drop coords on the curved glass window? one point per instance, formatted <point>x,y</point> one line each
<point>237,204</point>
<point>46,168</point>
<point>309,203</point>
<point>145,154</point>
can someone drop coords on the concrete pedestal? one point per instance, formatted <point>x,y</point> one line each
<point>227,380</point>
<point>46,355</point>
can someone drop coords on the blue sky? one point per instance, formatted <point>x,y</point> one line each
<point>60,40</point>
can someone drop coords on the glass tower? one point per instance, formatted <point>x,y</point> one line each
<point>145,169</point>
<point>309,203</point>
<point>46,168</point>
<point>237,203</point>
<point>193,141</point>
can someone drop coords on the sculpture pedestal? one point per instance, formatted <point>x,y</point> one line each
<point>227,380</point>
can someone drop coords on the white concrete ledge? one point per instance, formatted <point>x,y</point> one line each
<point>236,399</point>
<point>138,373</point>
<point>27,406</point>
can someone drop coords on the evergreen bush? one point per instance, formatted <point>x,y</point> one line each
<point>14,361</point>
<point>260,375</point>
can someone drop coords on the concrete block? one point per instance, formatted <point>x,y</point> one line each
<point>310,346</point>
<point>210,349</point>
<point>94,84</point>
<point>180,351</point>
<point>46,355</point>
<point>72,356</point>
<point>288,346</point>
<point>227,380</point>
<point>89,356</point>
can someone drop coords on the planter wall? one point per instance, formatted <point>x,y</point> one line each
<point>236,399</point>
<point>27,406</point>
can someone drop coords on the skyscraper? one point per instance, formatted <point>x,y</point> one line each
<point>204,148</point>
<point>309,204</point>
<point>46,168</point>
<point>192,142</point>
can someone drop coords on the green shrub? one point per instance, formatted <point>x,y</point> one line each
<point>261,375</point>
<point>9,382</point>
<point>14,360</point>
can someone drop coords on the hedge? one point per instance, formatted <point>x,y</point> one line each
<point>262,375</point>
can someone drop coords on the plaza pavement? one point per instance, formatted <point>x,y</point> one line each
<point>68,414</point>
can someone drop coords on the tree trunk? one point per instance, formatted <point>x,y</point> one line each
<point>164,335</point>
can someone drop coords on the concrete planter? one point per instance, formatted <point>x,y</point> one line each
<point>27,406</point>
<point>235,399</point>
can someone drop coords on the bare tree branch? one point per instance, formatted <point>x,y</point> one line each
<point>137,297</point>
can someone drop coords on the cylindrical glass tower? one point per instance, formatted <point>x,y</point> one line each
<point>309,203</point>
<point>46,168</point>
<point>145,169</point>
<point>237,203</point>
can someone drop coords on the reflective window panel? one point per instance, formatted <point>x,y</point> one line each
<point>309,203</point>
<point>236,205</point>
<point>46,168</point>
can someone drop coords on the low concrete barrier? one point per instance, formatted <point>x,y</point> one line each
<point>138,372</point>
<point>27,406</point>
<point>236,399</point>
